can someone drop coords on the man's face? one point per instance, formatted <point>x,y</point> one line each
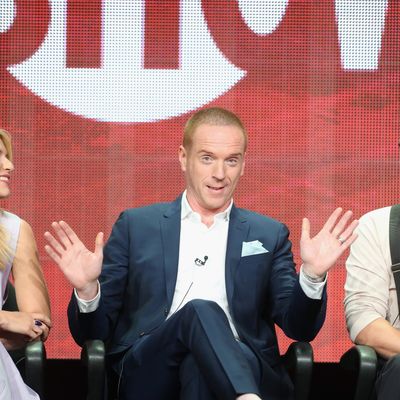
<point>212,166</point>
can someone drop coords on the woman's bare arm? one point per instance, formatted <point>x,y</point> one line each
<point>30,287</point>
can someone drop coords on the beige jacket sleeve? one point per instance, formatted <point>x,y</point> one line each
<point>369,289</point>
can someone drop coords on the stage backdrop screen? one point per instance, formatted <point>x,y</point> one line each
<point>96,92</point>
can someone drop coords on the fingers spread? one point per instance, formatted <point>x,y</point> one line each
<point>72,236</point>
<point>50,251</point>
<point>339,228</point>
<point>330,223</point>
<point>54,242</point>
<point>348,232</point>
<point>348,242</point>
<point>61,234</point>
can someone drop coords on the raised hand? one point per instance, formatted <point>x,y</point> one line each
<point>322,251</point>
<point>79,265</point>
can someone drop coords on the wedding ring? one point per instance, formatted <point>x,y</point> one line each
<point>341,240</point>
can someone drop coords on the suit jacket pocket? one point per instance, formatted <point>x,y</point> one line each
<point>256,260</point>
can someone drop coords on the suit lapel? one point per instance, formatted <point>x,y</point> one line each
<point>237,234</point>
<point>170,232</point>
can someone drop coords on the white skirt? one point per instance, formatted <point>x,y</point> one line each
<point>12,387</point>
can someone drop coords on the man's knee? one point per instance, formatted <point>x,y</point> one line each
<point>204,313</point>
<point>203,306</point>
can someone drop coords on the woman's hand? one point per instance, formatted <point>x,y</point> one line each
<point>17,325</point>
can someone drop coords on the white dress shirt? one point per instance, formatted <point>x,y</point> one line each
<point>201,268</point>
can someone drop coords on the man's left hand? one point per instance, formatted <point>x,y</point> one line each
<point>321,252</point>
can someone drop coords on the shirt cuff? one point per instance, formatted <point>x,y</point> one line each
<point>87,306</point>
<point>313,290</point>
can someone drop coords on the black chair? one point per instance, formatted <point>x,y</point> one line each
<point>31,359</point>
<point>93,360</point>
<point>298,361</point>
<point>361,363</point>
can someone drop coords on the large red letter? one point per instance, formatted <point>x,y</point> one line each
<point>27,31</point>
<point>84,34</point>
<point>161,40</point>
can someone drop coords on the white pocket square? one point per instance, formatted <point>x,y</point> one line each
<point>253,248</point>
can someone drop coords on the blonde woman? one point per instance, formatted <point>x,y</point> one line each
<point>19,257</point>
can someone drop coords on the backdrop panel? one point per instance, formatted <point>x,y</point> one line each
<point>96,93</point>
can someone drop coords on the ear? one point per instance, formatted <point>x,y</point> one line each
<point>182,158</point>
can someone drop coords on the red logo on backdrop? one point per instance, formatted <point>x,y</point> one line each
<point>136,58</point>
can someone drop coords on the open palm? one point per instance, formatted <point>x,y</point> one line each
<point>322,251</point>
<point>80,266</point>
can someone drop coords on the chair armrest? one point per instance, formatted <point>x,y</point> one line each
<point>363,361</point>
<point>34,366</point>
<point>93,359</point>
<point>299,360</point>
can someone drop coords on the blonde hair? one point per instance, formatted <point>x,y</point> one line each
<point>211,116</point>
<point>5,251</point>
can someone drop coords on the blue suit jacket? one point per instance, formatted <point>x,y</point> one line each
<point>139,276</point>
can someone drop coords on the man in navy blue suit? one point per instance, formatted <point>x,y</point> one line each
<point>188,292</point>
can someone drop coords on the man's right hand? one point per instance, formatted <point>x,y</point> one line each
<point>79,265</point>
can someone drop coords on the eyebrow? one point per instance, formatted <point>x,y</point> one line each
<point>211,153</point>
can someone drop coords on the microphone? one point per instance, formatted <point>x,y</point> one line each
<point>201,263</point>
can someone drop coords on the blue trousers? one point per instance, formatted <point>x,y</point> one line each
<point>191,356</point>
